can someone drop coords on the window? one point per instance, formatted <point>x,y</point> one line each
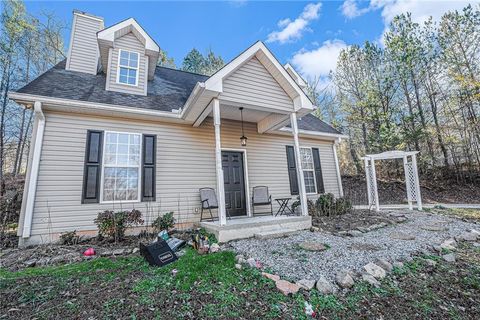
<point>121,167</point>
<point>308,170</point>
<point>128,68</point>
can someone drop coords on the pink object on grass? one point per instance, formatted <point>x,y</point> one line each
<point>89,252</point>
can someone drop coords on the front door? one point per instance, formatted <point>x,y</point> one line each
<point>234,179</point>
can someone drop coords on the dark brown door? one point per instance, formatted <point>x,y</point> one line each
<point>234,178</point>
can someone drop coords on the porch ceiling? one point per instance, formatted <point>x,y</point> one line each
<point>249,115</point>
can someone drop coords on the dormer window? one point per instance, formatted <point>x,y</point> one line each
<point>128,68</point>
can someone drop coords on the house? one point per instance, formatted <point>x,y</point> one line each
<point>115,131</point>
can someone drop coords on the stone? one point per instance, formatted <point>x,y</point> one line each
<point>375,270</point>
<point>324,286</point>
<point>398,264</point>
<point>286,287</point>
<point>306,284</point>
<point>241,261</point>
<point>468,236</point>
<point>251,263</point>
<point>344,279</point>
<point>314,229</point>
<point>384,264</point>
<point>313,246</point>
<point>270,276</point>
<point>476,244</point>
<point>362,229</point>
<point>398,235</point>
<point>433,227</point>
<point>401,219</point>
<point>430,262</point>
<point>106,253</point>
<point>30,263</point>
<point>118,252</point>
<point>238,266</point>
<point>214,248</point>
<point>371,280</point>
<point>354,233</point>
<point>474,231</point>
<point>135,250</point>
<point>449,244</point>
<point>238,257</point>
<point>449,257</point>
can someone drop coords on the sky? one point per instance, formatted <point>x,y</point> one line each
<point>308,35</point>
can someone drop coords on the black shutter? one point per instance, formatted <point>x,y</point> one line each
<point>318,170</point>
<point>292,170</point>
<point>93,167</point>
<point>148,167</point>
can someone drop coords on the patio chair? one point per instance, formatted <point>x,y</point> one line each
<point>261,197</point>
<point>208,197</point>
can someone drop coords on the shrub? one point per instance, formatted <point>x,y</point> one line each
<point>165,222</point>
<point>310,206</point>
<point>343,205</point>
<point>327,205</point>
<point>69,238</point>
<point>113,224</point>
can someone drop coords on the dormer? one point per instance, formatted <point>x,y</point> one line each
<point>128,56</point>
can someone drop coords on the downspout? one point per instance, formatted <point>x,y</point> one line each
<point>337,166</point>
<point>32,185</point>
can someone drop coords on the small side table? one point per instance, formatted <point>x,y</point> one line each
<point>284,208</point>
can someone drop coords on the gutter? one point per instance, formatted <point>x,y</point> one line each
<point>32,185</point>
<point>192,98</point>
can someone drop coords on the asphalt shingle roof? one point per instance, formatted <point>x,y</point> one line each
<point>168,90</point>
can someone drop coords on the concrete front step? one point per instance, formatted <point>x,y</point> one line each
<point>250,226</point>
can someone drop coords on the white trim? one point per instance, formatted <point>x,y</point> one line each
<point>337,168</point>
<point>245,175</point>
<point>32,185</point>
<point>137,69</point>
<point>87,15</point>
<point>302,83</point>
<point>337,136</point>
<point>145,86</point>
<point>109,69</point>
<point>139,168</point>
<point>374,177</point>
<point>72,32</point>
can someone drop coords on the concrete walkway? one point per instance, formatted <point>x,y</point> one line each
<point>425,205</point>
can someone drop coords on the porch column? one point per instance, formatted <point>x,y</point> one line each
<point>417,182</point>
<point>298,160</point>
<point>218,163</point>
<point>374,178</point>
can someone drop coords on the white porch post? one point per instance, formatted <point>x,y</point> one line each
<point>417,181</point>
<point>374,178</point>
<point>369,183</point>
<point>218,164</point>
<point>298,160</point>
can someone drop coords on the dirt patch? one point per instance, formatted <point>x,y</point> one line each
<point>394,192</point>
<point>357,220</point>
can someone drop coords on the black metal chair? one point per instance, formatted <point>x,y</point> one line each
<point>261,197</point>
<point>208,197</point>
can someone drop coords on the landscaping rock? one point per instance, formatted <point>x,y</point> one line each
<point>449,257</point>
<point>251,263</point>
<point>314,229</point>
<point>384,264</point>
<point>135,250</point>
<point>30,263</point>
<point>270,276</point>
<point>306,284</point>
<point>433,228</point>
<point>286,287</point>
<point>375,270</point>
<point>354,233</point>
<point>324,286</point>
<point>107,253</point>
<point>449,244</point>
<point>398,264</point>
<point>476,244</point>
<point>238,266</point>
<point>313,246</point>
<point>239,256</point>
<point>475,232</point>
<point>214,248</point>
<point>430,262</point>
<point>118,252</point>
<point>344,279</point>
<point>363,229</point>
<point>398,235</point>
<point>468,236</point>
<point>370,279</point>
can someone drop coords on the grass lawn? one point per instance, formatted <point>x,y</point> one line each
<point>209,287</point>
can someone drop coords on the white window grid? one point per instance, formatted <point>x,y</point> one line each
<point>130,65</point>
<point>308,168</point>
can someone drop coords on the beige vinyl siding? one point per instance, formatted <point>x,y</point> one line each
<point>185,163</point>
<point>253,84</point>
<point>131,43</point>
<point>84,48</point>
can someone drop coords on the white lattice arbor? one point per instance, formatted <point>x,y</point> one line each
<point>411,176</point>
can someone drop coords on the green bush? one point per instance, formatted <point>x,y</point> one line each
<point>327,205</point>
<point>69,238</point>
<point>113,224</point>
<point>165,222</point>
<point>310,206</point>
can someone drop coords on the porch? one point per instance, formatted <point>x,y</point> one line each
<point>260,226</point>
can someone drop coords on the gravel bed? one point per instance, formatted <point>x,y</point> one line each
<point>284,257</point>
